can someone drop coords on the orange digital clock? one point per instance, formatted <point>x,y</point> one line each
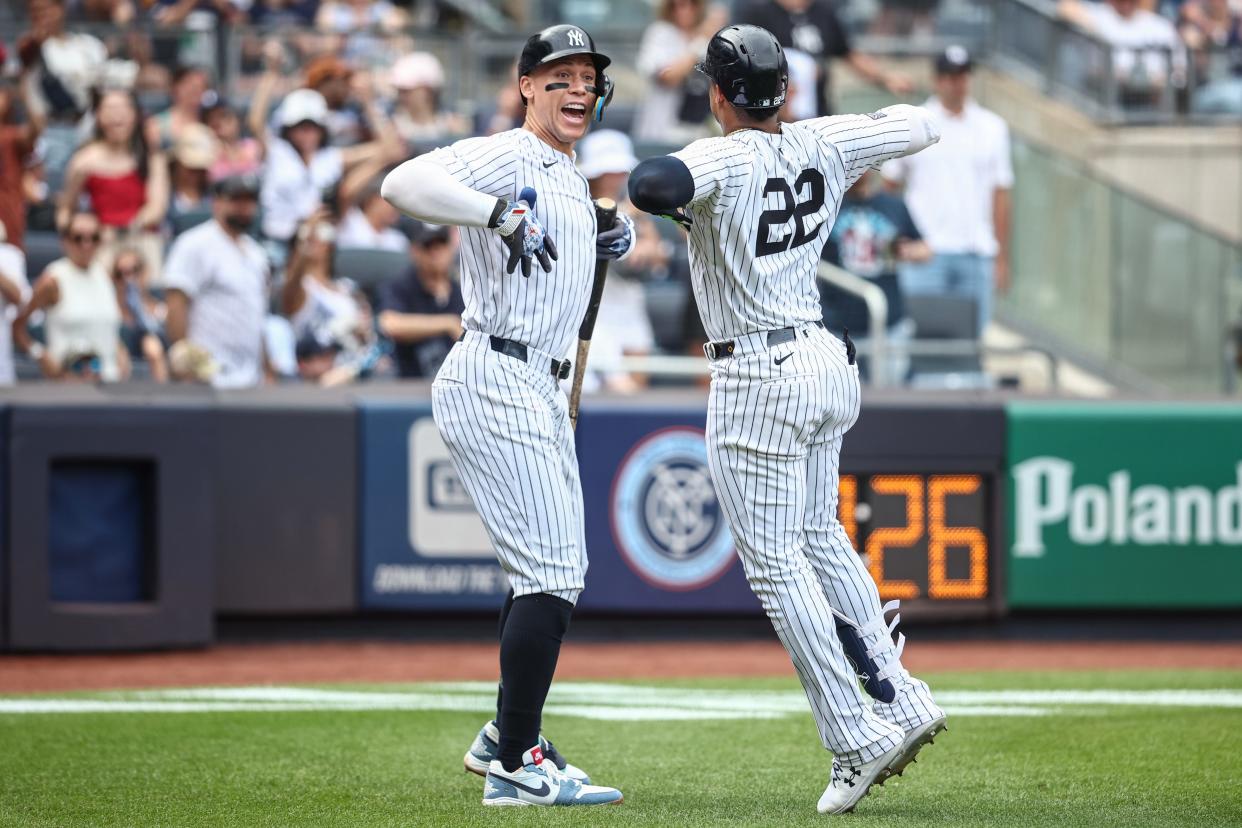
<point>924,537</point>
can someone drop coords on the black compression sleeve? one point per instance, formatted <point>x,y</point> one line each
<point>661,185</point>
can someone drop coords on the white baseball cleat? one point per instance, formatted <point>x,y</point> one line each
<point>486,747</point>
<point>924,734</point>
<point>538,782</point>
<point>850,784</point>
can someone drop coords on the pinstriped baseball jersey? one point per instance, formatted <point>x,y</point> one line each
<point>763,207</point>
<point>542,311</point>
<point>780,406</point>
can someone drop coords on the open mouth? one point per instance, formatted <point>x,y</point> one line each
<point>575,113</point>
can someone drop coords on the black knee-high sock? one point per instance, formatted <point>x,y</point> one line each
<point>529,647</point>
<point>500,634</point>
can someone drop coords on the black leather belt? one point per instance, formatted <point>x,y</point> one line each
<point>509,347</point>
<point>716,350</point>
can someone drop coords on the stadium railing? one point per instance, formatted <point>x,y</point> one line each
<point>965,354</point>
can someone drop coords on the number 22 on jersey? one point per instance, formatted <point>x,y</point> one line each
<point>795,204</point>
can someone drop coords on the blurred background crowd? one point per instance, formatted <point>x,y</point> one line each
<point>189,189</point>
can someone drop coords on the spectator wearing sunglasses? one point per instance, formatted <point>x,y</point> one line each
<point>79,307</point>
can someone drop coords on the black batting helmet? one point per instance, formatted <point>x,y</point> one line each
<point>748,64</point>
<point>562,41</point>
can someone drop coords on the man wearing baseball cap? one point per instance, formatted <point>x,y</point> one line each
<point>216,281</point>
<point>421,313</point>
<point>958,193</point>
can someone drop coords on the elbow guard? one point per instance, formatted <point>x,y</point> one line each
<point>661,185</point>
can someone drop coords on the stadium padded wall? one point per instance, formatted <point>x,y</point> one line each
<point>922,493</point>
<point>298,501</point>
<point>111,541</point>
<point>285,475</point>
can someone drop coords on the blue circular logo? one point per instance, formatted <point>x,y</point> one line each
<point>665,515</point>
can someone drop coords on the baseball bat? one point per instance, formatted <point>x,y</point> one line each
<point>605,217</point>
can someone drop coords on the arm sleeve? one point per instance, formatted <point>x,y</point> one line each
<point>432,192</point>
<point>181,269</point>
<point>661,185</point>
<point>869,140</point>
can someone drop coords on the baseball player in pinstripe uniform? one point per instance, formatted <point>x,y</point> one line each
<point>758,204</point>
<point>496,399</point>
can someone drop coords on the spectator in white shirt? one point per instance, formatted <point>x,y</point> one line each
<point>958,193</point>
<point>82,320</point>
<point>675,107</point>
<point>301,166</point>
<point>14,291</point>
<point>216,280</point>
<point>1143,43</point>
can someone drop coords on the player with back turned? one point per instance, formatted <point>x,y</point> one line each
<point>496,399</point>
<point>758,204</point>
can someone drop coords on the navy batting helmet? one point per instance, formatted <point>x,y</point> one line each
<point>562,41</point>
<point>748,64</point>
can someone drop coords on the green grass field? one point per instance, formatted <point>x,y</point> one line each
<point>391,756</point>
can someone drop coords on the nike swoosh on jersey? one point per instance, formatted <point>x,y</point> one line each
<point>549,164</point>
<point>779,360</point>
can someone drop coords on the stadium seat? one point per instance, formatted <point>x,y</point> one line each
<point>189,219</point>
<point>369,268</point>
<point>666,308</point>
<point>42,248</point>
<point>945,319</point>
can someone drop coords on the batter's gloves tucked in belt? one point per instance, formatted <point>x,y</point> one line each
<point>618,242</point>
<point>523,234</point>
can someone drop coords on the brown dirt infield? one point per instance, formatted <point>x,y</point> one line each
<point>405,662</point>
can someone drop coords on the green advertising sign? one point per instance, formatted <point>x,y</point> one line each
<point>1124,505</point>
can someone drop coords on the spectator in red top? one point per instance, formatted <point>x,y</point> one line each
<point>125,180</point>
<point>17,142</point>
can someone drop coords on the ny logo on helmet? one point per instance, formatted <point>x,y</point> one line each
<point>575,38</point>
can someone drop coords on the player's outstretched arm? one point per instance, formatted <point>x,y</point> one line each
<point>869,140</point>
<point>923,131</point>
<point>663,186</point>
<point>428,192</point>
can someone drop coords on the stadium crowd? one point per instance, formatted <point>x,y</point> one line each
<point>237,236</point>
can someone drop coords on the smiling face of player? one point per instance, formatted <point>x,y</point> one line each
<point>560,116</point>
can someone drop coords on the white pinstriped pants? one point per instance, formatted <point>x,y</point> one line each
<point>774,442</point>
<point>506,424</point>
